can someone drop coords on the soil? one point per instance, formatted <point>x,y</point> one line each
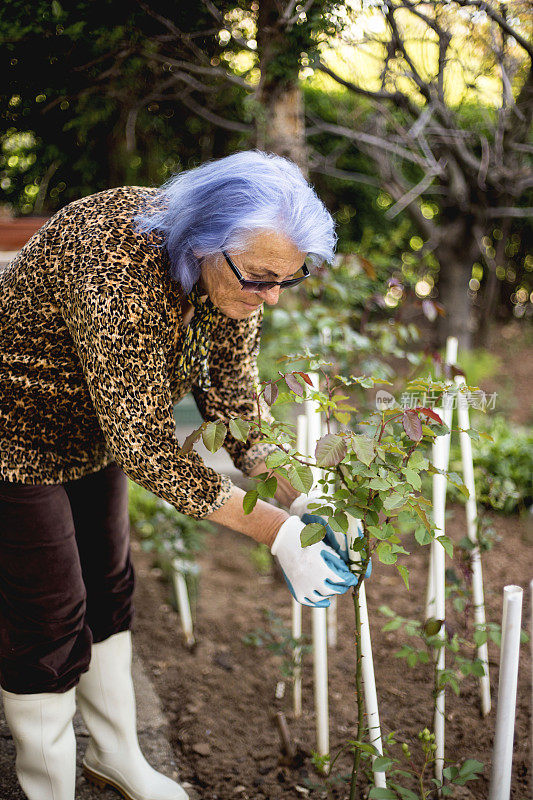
<point>220,698</point>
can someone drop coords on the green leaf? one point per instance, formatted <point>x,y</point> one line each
<point>330,450</point>
<point>267,489</point>
<point>393,500</point>
<point>213,435</point>
<point>385,554</point>
<point>239,429</point>
<point>312,533</point>
<point>471,767</point>
<point>422,514</point>
<point>450,773</point>
<point>379,484</point>
<point>339,522</point>
<point>413,478</point>
<point>275,459</point>
<point>381,532</point>
<point>418,461</point>
<point>480,637</point>
<point>447,544</point>
<point>382,764</point>
<point>377,793</point>
<point>422,536</point>
<point>404,572</point>
<point>301,477</point>
<point>249,500</point>
<point>432,626</point>
<point>477,668</point>
<point>364,448</point>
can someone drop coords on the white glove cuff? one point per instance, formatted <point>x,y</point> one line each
<point>299,506</point>
<point>287,526</point>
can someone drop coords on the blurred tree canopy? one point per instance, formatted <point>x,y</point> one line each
<point>394,122</point>
<point>85,106</point>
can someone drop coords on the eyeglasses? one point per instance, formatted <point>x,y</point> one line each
<point>260,286</point>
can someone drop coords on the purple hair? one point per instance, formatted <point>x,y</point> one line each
<point>219,204</point>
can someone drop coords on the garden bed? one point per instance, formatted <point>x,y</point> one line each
<point>220,698</point>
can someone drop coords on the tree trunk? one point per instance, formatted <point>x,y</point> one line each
<point>283,129</point>
<point>455,255</point>
<point>280,124</point>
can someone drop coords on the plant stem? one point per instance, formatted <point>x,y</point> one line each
<point>359,691</point>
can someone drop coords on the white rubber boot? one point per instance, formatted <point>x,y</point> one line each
<point>41,726</point>
<point>107,703</point>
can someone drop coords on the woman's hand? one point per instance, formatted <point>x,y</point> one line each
<point>337,540</point>
<point>312,573</point>
<point>262,524</point>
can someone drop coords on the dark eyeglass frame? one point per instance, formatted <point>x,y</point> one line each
<point>260,286</point>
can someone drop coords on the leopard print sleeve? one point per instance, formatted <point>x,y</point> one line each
<point>234,377</point>
<point>116,327</point>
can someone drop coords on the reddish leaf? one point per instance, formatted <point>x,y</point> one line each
<point>330,450</point>
<point>294,384</point>
<point>271,392</point>
<point>456,371</point>
<point>412,425</point>
<point>191,439</point>
<point>428,412</point>
<point>306,378</point>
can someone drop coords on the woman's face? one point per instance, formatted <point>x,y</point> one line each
<point>269,256</point>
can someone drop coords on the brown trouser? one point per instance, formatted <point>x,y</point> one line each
<point>66,578</point>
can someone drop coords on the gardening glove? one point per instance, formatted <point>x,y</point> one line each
<point>313,573</point>
<point>335,539</point>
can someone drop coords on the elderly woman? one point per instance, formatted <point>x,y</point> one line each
<point>120,305</point>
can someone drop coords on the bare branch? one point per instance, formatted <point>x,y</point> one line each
<point>201,70</point>
<point>413,193</point>
<point>395,97</point>
<point>367,138</point>
<point>215,13</point>
<point>304,10</point>
<point>497,18</point>
<point>215,119</point>
<point>499,211</point>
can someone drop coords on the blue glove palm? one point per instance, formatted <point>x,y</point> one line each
<point>337,541</point>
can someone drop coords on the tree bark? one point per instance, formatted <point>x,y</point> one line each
<point>280,124</point>
<point>455,254</point>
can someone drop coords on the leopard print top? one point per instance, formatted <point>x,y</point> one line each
<point>91,333</point>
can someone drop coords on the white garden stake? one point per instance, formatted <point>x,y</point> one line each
<point>471,522</point>
<point>301,445</point>
<point>367,662</point>
<point>441,453</point>
<point>502,758</point>
<point>331,611</point>
<point>182,597</point>
<point>320,652</point>
<point>450,358</point>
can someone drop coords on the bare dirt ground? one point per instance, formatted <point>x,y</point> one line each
<point>220,698</point>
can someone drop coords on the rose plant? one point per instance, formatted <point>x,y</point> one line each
<point>370,470</point>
